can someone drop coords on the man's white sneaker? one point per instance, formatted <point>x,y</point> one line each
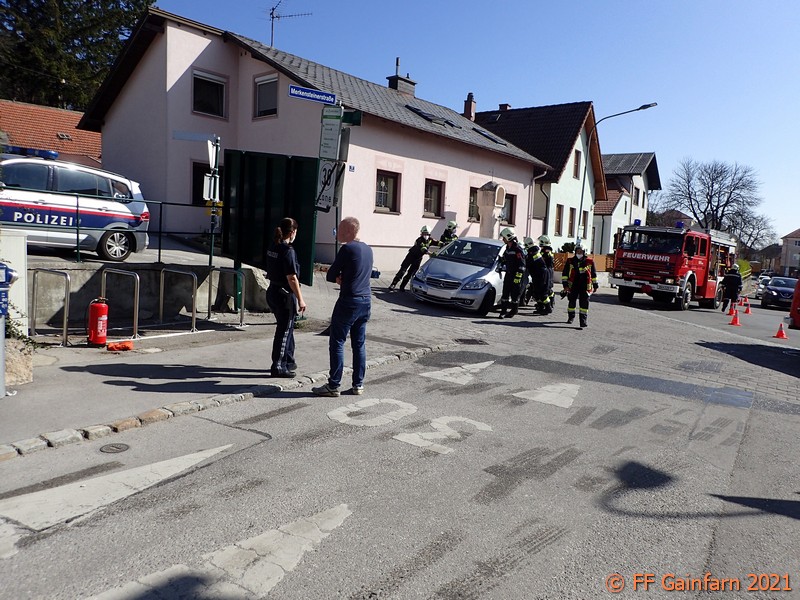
<point>325,390</point>
<point>357,390</point>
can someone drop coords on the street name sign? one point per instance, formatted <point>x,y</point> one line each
<point>295,91</point>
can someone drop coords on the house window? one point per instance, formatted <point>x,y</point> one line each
<point>635,196</point>
<point>507,213</point>
<point>797,242</point>
<point>576,166</point>
<point>625,208</point>
<point>266,101</point>
<point>208,94</point>
<point>199,172</point>
<point>434,192</point>
<point>571,226</point>
<point>474,213</point>
<point>584,223</point>
<point>386,192</point>
<point>559,218</point>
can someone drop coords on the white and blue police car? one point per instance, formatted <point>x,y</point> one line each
<point>61,204</point>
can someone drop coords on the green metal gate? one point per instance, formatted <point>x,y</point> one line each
<point>258,191</point>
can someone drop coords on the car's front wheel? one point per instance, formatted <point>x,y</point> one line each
<point>115,246</point>
<point>487,304</point>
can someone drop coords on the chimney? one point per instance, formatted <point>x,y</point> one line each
<point>505,107</point>
<point>404,85</point>
<point>469,107</point>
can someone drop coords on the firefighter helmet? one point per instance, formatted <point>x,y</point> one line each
<point>579,247</point>
<point>735,266</point>
<point>424,229</point>
<point>527,242</point>
<point>544,240</point>
<point>508,234</point>
<point>452,225</point>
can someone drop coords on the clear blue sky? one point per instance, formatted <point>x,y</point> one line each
<point>725,73</point>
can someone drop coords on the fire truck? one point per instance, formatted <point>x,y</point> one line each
<point>673,265</point>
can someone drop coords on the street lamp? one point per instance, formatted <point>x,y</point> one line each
<point>588,154</point>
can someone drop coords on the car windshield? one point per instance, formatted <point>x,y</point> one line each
<point>470,252</point>
<point>656,242</point>
<point>783,282</point>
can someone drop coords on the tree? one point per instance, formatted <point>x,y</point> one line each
<point>753,230</point>
<point>57,52</point>
<point>718,195</point>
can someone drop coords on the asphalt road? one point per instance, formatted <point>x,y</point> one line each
<point>529,459</point>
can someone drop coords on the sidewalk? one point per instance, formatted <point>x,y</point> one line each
<point>80,392</point>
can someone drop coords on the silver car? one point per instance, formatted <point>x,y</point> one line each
<point>464,274</point>
<point>59,204</point>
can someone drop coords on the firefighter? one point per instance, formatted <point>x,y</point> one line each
<point>539,277</point>
<point>580,280</point>
<point>732,286</point>
<point>547,257</point>
<point>413,259</point>
<point>513,262</point>
<point>449,234</point>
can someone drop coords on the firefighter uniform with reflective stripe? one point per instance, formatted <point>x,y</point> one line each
<point>580,280</point>
<point>514,264</point>
<point>539,288</point>
<point>412,261</point>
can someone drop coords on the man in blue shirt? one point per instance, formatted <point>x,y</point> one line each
<point>351,269</point>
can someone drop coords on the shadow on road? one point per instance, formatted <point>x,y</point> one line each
<point>783,360</point>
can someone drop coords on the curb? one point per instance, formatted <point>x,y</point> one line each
<point>58,439</point>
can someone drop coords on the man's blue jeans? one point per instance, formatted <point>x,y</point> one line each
<point>350,316</point>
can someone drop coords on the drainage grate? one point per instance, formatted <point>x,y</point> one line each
<point>114,448</point>
<point>471,342</point>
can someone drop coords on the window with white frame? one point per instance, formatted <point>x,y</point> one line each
<point>576,165</point>
<point>208,94</point>
<point>584,223</point>
<point>571,226</point>
<point>266,96</point>
<point>559,218</point>
<point>507,213</point>
<point>635,196</point>
<point>434,194</point>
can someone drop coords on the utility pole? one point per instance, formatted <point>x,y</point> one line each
<point>273,15</point>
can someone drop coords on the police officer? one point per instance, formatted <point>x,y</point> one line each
<point>413,259</point>
<point>513,261</point>
<point>580,280</point>
<point>732,286</point>
<point>547,257</point>
<point>449,234</point>
<point>284,297</point>
<point>539,277</point>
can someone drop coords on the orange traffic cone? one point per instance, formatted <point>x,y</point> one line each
<point>741,301</point>
<point>781,335</point>
<point>747,310</point>
<point>732,309</point>
<point>735,319</point>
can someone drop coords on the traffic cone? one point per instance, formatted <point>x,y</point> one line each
<point>732,309</point>
<point>741,301</point>
<point>747,311</point>
<point>781,335</point>
<point>735,319</point>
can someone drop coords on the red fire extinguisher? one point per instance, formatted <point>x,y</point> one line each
<point>98,322</point>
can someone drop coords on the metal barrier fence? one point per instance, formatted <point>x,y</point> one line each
<point>65,333</point>
<point>135,294</point>
<point>239,277</point>
<point>194,294</point>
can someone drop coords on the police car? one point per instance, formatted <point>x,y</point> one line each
<point>61,204</point>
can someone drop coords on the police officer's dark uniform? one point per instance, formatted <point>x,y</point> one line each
<point>732,286</point>
<point>580,280</point>
<point>281,262</point>
<point>513,262</point>
<point>413,259</point>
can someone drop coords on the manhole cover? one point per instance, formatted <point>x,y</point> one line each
<point>471,342</point>
<point>114,448</point>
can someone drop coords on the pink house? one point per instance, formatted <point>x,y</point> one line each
<point>410,163</point>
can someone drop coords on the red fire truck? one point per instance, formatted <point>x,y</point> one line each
<point>672,264</point>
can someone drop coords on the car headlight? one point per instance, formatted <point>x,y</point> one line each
<point>477,284</point>
<point>669,280</point>
<point>420,276</point>
<point>772,292</point>
<point>618,274</point>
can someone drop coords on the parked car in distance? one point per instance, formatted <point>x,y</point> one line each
<point>464,274</point>
<point>61,204</point>
<point>761,285</point>
<point>779,291</point>
<point>793,320</point>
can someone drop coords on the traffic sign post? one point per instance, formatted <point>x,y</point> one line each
<point>326,185</point>
<point>331,132</point>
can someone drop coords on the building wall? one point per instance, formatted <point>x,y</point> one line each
<point>567,192</point>
<point>790,256</point>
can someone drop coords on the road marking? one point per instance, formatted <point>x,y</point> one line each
<point>249,567</point>
<point>342,414</point>
<point>443,432</point>
<point>557,394</point>
<point>461,375</point>
<point>43,509</point>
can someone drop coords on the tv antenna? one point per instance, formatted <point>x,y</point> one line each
<point>273,15</point>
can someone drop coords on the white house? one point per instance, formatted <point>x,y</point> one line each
<point>629,180</point>
<point>558,134</point>
<point>411,162</point>
<point>790,253</point>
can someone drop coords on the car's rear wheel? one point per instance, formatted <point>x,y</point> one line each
<point>487,304</point>
<point>115,246</point>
